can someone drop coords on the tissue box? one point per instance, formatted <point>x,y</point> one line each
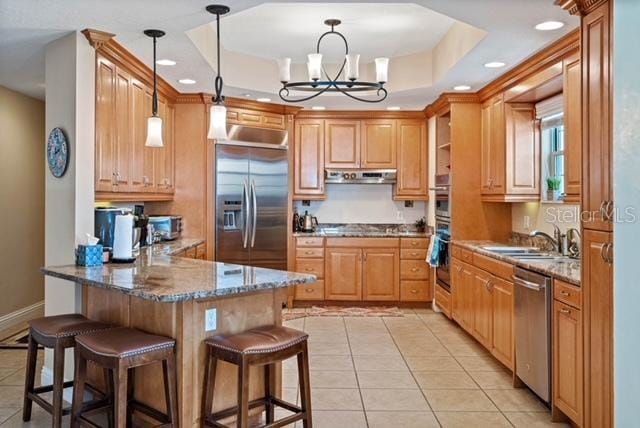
<point>89,255</point>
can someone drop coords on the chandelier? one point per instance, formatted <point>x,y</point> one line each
<point>320,81</point>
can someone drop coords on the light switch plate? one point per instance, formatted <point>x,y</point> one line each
<point>527,222</point>
<point>210,319</point>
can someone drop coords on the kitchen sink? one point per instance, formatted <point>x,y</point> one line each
<point>512,250</point>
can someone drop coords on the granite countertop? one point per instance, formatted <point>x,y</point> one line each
<point>157,276</point>
<point>363,230</point>
<point>565,268</point>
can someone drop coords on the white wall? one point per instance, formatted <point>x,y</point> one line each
<point>626,193</point>
<point>542,216</point>
<point>362,203</point>
<point>70,101</point>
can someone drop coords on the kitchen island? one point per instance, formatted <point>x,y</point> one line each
<point>188,300</point>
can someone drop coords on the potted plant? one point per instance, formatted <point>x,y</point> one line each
<point>421,224</point>
<point>553,188</point>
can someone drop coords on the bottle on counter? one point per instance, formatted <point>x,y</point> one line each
<point>296,220</point>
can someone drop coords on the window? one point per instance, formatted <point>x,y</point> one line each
<point>556,154</point>
<point>552,141</point>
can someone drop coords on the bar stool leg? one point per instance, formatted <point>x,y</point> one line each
<point>58,381</point>
<point>170,388</point>
<point>79,380</point>
<point>210,379</point>
<point>108,390</point>
<point>131,382</point>
<point>243,393</point>
<point>268,392</point>
<point>29,383</point>
<point>120,397</point>
<point>305,391</point>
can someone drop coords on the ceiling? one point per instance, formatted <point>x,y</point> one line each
<point>414,35</point>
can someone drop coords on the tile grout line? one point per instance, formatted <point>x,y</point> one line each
<point>355,372</point>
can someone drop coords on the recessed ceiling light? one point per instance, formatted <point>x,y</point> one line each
<point>246,95</point>
<point>393,108</point>
<point>187,81</point>
<point>318,108</point>
<point>549,25</point>
<point>165,62</point>
<point>263,100</point>
<point>461,88</point>
<point>495,64</point>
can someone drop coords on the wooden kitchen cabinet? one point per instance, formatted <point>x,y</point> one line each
<point>462,277</point>
<point>308,162</point>
<point>597,288</point>
<point>412,160</point>
<point>343,274</point>
<point>163,159</point>
<point>483,307</point>
<point>142,175</point>
<point>378,146</point>
<point>572,99</point>
<point>342,144</point>
<point>568,386</point>
<point>503,318</point>
<point>239,116</point>
<point>105,162</point>
<point>493,147</point>
<point>381,278</point>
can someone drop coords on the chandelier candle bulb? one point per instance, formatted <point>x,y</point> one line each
<point>284,65</point>
<point>315,66</point>
<point>382,69</point>
<point>351,66</point>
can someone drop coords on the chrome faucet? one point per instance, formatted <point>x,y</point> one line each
<point>573,237</point>
<point>556,240</point>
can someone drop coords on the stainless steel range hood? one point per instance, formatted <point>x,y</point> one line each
<point>366,176</point>
<point>239,135</point>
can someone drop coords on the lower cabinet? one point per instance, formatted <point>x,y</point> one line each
<point>502,337</point>
<point>483,308</point>
<point>343,274</point>
<point>381,278</point>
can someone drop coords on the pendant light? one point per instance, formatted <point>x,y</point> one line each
<point>154,123</point>
<point>218,114</point>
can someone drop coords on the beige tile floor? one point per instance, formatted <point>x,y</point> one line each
<point>419,370</point>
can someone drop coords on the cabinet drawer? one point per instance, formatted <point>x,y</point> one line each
<point>313,291</point>
<point>362,242</point>
<point>414,291</point>
<point>567,293</point>
<point>443,300</point>
<point>456,252</point>
<point>310,252</point>
<point>309,241</point>
<point>414,269</point>
<point>311,266</point>
<point>410,254</point>
<point>493,266</point>
<point>466,255</point>
<point>414,243</point>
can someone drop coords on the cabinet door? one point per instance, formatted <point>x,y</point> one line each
<point>596,140</point>
<point>411,147</point>
<point>343,274</point>
<point>378,148</point>
<point>485,155</point>
<point>493,147</point>
<point>105,160</point>
<point>149,153</point>
<point>482,308</point>
<point>139,135</point>
<point>123,132</point>
<point>342,144</point>
<point>522,150</point>
<point>166,182</point>
<point>502,346</point>
<point>572,128</point>
<point>309,158</point>
<point>467,279</point>
<point>381,276</point>
<point>159,155</point>
<point>567,361</point>
<point>455,270</point>
<point>597,289</point>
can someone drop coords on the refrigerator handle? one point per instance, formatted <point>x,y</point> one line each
<point>255,212</point>
<point>245,226</point>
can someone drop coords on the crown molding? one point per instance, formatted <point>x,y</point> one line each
<point>97,38</point>
<point>444,101</point>
<point>239,103</point>
<point>360,114</point>
<point>579,7</point>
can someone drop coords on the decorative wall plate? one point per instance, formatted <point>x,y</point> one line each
<point>57,152</point>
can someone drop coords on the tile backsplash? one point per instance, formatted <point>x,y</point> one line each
<point>543,216</point>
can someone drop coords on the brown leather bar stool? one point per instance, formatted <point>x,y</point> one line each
<point>57,332</point>
<point>262,346</point>
<point>121,350</point>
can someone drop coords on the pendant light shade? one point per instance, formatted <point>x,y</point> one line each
<point>154,123</point>
<point>315,66</point>
<point>218,123</point>
<point>218,113</point>
<point>351,65</point>
<point>284,67</point>
<point>382,69</point>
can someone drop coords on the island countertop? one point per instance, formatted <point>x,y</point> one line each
<point>163,278</point>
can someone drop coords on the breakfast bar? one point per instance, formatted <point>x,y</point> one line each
<point>188,300</point>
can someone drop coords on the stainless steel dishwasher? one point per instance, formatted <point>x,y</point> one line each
<point>533,331</point>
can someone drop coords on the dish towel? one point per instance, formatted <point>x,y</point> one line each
<point>433,253</point>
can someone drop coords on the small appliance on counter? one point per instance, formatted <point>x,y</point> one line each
<point>141,221</point>
<point>105,224</point>
<point>307,223</point>
<point>168,226</point>
<point>125,238</point>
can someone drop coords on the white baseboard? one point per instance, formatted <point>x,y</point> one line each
<point>22,315</point>
<point>46,378</point>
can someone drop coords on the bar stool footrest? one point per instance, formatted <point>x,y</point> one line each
<point>212,419</point>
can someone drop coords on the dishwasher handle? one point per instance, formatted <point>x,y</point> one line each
<point>528,284</point>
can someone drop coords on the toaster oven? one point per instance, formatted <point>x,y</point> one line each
<point>168,226</point>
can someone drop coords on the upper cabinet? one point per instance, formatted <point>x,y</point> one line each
<point>351,143</point>
<point>126,169</point>
<point>510,159</point>
<point>572,128</point>
<point>258,119</point>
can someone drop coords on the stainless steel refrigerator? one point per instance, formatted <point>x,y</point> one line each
<point>251,198</point>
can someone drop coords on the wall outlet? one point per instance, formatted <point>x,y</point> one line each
<point>526,222</point>
<point>210,319</point>
<point>400,215</point>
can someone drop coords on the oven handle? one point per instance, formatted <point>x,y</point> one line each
<point>528,284</point>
